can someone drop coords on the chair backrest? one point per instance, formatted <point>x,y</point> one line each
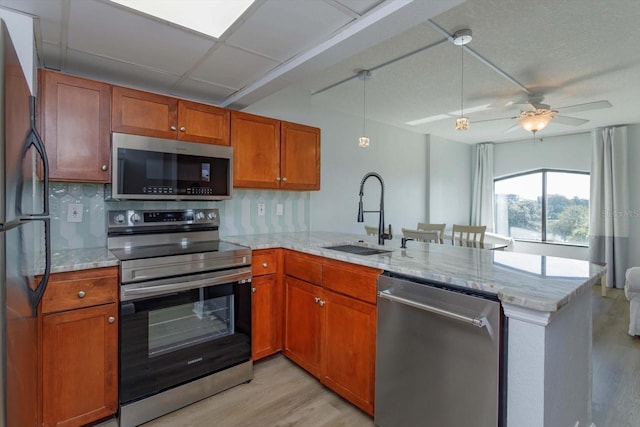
<point>423,226</point>
<point>468,233</point>
<point>423,236</point>
<point>373,231</point>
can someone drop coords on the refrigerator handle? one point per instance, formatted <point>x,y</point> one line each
<point>36,295</point>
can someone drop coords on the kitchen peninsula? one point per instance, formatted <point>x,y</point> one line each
<point>546,300</point>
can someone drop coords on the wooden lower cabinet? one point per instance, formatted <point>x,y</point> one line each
<point>349,348</point>
<point>79,348</point>
<point>266,316</point>
<point>330,324</point>
<point>302,324</point>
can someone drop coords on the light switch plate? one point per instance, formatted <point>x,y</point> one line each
<point>74,212</point>
<point>260,209</point>
<point>279,209</point>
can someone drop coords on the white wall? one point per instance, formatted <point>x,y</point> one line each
<point>449,181</point>
<point>21,31</point>
<point>569,152</point>
<point>633,135</point>
<point>399,156</point>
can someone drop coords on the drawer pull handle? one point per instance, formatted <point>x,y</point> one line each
<point>265,265</point>
<point>111,319</point>
<point>81,294</point>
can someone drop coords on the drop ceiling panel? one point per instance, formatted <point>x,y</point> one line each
<point>280,30</point>
<point>111,71</point>
<point>360,6</point>
<point>110,31</point>
<point>233,68</point>
<point>198,90</point>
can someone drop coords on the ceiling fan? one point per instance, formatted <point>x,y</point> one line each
<point>535,115</point>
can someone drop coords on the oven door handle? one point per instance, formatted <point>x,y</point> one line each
<point>164,289</point>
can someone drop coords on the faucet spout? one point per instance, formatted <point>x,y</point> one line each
<point>381,234</point>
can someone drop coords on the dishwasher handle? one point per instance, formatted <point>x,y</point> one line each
<point>479,322</point>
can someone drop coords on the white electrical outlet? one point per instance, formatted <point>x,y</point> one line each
<point>279,209</point>
<point>260,209</point>
<point>74,212</point>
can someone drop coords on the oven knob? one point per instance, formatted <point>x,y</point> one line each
<point>199,216</point>
<point>135,217</point>
<point>211,216</point>
<point>119,219</point>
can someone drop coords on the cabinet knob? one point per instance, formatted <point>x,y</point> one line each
<point>173,128</point>
<point>111,319</point>
<point>265,265</point>
<point>81,294</point>
<point>183,129</point>
<point>321,303</point>
<point>277,178</point>
<point>284,179</point>
<point>253,290</point>
<point>104,167</point>
<point>316,300</point>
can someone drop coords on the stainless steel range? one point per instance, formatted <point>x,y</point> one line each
<point>185,310</point>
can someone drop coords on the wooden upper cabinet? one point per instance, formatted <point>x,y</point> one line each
<point>273,154</point>
<point>203,123</point>
<point>299,157</point>
<point>256,151</point>
<point>144,113</point>
<point>75,123</point>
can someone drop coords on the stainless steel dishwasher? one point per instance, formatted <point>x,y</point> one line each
<point>438,355</point>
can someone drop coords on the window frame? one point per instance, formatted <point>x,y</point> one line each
<point>543,216</point>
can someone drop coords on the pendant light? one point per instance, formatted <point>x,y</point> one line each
<point>461,38</point>
<point>364,75</point>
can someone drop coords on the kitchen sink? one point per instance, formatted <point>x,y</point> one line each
<point>358,250</point>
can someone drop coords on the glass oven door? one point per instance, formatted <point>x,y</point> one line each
<point>171,339</point>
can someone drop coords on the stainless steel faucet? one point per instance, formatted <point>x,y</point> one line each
<point>381,234</point>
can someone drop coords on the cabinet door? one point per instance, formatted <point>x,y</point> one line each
<point>75,127</point>
<point>144,113</point>
<point>80,366</point>
<point>256,151</point>
<point>348,348</point>
<point>302,324</point>
<point>203,123</point>
<point>266,320</point>
<point>300,157</point>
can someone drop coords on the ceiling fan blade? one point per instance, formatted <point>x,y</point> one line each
<point>491,120</point>
<point>514,127</point>
<point>584,107</point>
<point>571,121</point>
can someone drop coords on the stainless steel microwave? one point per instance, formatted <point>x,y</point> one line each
<point>146,168</point>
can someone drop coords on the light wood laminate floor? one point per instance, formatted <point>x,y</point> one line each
<point>281,394</point>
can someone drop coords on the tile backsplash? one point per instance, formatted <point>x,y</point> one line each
<point>77,227</point>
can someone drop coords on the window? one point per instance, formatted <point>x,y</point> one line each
<point>544,205</point>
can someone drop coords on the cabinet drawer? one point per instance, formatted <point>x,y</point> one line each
<point>264,261</point>
<point>349,279</point>
<point>303,267</point>
<point>68,291</point>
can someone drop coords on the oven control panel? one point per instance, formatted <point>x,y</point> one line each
<point>155,218</point>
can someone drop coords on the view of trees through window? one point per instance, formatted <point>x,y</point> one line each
<point>563,217</point>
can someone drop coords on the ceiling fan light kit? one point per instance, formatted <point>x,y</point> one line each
<point>534,121</point>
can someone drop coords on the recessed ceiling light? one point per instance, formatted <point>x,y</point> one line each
<point>211,17</point>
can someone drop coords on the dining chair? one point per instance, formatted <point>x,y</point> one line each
<point>423,226</point>
<point>468,233</point>
<point>373,230</point>
<point>421,235</point>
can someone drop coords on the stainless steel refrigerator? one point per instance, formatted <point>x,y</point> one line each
<point>24,240</point>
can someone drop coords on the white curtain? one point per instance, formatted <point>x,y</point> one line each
<point>609,204</point>
<point>482,196</point>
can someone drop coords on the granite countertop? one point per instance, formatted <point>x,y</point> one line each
<point>80,259</point>
<point>532,281</point>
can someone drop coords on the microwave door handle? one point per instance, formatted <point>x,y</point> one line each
<point>161,289</point>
